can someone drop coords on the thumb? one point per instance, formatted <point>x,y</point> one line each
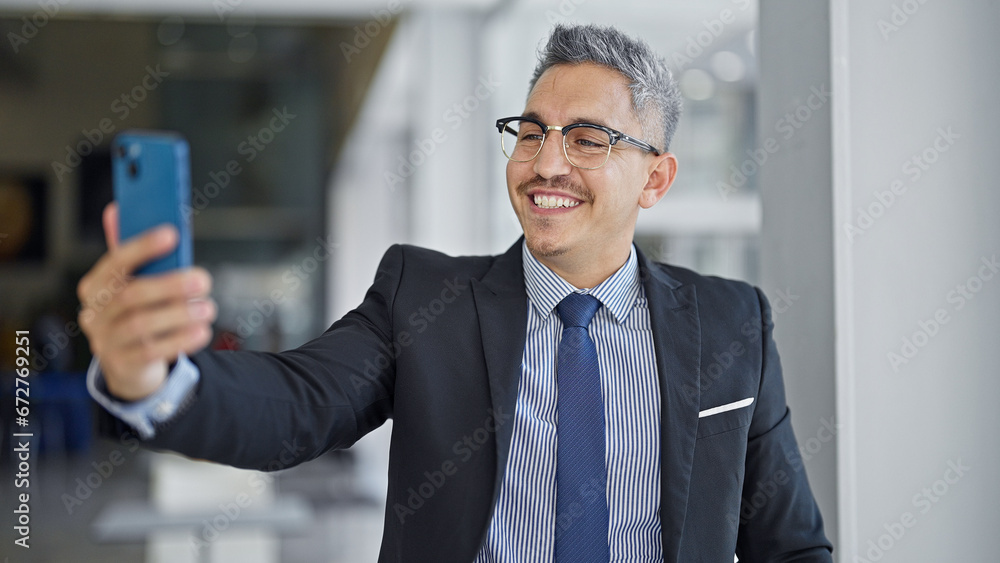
<point>111,225</point>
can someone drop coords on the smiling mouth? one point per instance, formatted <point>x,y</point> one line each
<point>553,202</point>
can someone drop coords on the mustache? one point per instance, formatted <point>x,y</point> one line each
<point>558,183</point>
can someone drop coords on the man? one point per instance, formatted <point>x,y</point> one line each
<point>563,404</point>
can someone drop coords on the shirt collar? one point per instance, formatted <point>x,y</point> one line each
<point>546,289</point>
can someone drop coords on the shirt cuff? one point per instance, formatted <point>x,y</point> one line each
<point>156,409</point>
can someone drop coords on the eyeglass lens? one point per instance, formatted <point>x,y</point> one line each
<point>585,146</point>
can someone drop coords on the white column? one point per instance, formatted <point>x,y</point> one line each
<point>915,287</point>
<point>451,124</point>
<point>793,123</point>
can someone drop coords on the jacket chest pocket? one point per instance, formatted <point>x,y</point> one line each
<point>726,417</point>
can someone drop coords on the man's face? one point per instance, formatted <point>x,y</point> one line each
<point>600,206</point>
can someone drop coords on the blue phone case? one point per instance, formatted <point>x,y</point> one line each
<point>152,184</point>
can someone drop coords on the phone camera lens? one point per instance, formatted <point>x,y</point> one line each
<point>133,169</point>
<point>121,151</point>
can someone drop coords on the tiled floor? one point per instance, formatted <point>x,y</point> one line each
<point>345,528</point>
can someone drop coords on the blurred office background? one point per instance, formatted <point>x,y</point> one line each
<point>833,152</point>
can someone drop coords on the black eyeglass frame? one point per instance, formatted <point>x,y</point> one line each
<point>613,135</point>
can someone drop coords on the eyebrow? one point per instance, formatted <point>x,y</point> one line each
<point>535,115</point>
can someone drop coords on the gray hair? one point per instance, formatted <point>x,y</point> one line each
<point>655,97</point>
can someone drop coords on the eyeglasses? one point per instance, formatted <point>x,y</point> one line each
<point>585,145</point>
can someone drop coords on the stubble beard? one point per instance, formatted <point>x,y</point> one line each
<point>548,247</point>
<point>544,248</point>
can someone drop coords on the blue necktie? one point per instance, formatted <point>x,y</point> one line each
<point>581,475</point>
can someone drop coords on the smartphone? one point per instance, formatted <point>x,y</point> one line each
<point>152,185</point>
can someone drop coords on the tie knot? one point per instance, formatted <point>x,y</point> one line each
<point>577,309</point>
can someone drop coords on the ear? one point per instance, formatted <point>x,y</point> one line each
<point>662,172</point>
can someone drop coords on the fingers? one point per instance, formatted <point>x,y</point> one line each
<point>114,269</point>
<point>148,292</point>
<point>143,326</point>
<point>146,325</point>
<point>158,334</point>
<point>138,325</point>
<point>111,231</point>
<point>139,250</point>
<point>140,303</point>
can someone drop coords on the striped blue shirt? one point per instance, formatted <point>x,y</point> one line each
<point>523,525</point>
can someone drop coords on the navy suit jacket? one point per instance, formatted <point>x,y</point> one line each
<point>437,344</point>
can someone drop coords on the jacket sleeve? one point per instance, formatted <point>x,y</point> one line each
<point>271,411</point>
<point>779,518</point>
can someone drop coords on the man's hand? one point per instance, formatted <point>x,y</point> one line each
<point>137,326</point>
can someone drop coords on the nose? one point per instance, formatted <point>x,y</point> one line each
<point>551,161</point>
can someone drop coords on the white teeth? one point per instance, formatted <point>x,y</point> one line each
<point>550,202</point>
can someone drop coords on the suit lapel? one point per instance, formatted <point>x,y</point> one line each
<point>673,310</point>
<point>501,304</point>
